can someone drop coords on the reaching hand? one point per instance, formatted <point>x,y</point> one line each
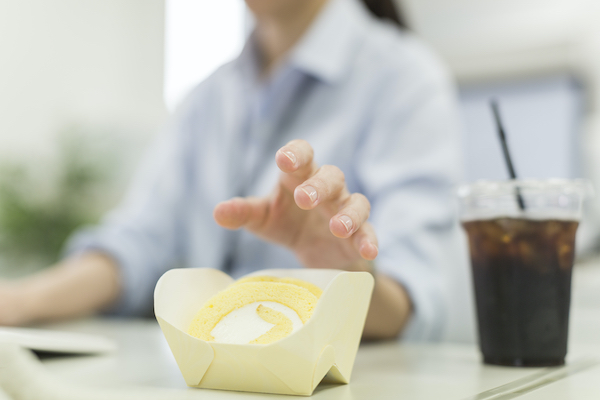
<point>310,211</point>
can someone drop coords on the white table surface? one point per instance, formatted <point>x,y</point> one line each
<point>390,370</point>
<point>382,370</point>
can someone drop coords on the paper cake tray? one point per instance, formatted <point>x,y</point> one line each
<point>325,345</point>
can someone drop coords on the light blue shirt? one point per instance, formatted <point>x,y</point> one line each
<point>369,99</point>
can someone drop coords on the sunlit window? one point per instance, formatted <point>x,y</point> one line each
<point>200,36</point>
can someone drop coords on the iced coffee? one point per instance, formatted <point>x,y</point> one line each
<point>521,261</point>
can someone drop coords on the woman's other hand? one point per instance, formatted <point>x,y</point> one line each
<point>75,287</point>
<point>13,304</point>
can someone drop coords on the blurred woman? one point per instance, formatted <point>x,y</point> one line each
<point>361,121</point>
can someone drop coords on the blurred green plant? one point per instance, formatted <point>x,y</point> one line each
<point>34,228</point>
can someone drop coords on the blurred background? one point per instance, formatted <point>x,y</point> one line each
<point>85,85</point>
<point>81,93</point>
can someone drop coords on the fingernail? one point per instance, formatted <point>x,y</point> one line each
<point>291,156</point>
<point>344,219</point>
<point>310,192</point>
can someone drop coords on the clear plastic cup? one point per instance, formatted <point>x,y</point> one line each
<point>521,261</point>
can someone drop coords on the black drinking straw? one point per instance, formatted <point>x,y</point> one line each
<point>509,164</point>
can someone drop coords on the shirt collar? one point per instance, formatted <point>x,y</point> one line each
<point>326,49</point>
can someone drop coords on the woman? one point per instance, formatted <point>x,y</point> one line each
<point>379,115</point>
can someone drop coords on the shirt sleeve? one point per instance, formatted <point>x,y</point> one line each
<point>407,165</point>
<point>143,234</point>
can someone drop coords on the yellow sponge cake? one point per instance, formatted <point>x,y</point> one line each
<point>256,310</point>
<point>314,289</point>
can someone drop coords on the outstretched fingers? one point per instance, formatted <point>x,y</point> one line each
<point>309,184</point>
<point>365,241</point>
<point>312,186</point>
<point>351,217</point>
<point>326,185</point>
<point>247,212</point>
<point>351,222</point>
<point>295,159</point>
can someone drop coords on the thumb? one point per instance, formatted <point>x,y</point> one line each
<point>242,212</point>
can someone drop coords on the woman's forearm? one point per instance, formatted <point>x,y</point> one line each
<point>389,310</point>
<point>72,288</point>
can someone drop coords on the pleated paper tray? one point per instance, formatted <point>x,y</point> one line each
<point>325,345</point>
